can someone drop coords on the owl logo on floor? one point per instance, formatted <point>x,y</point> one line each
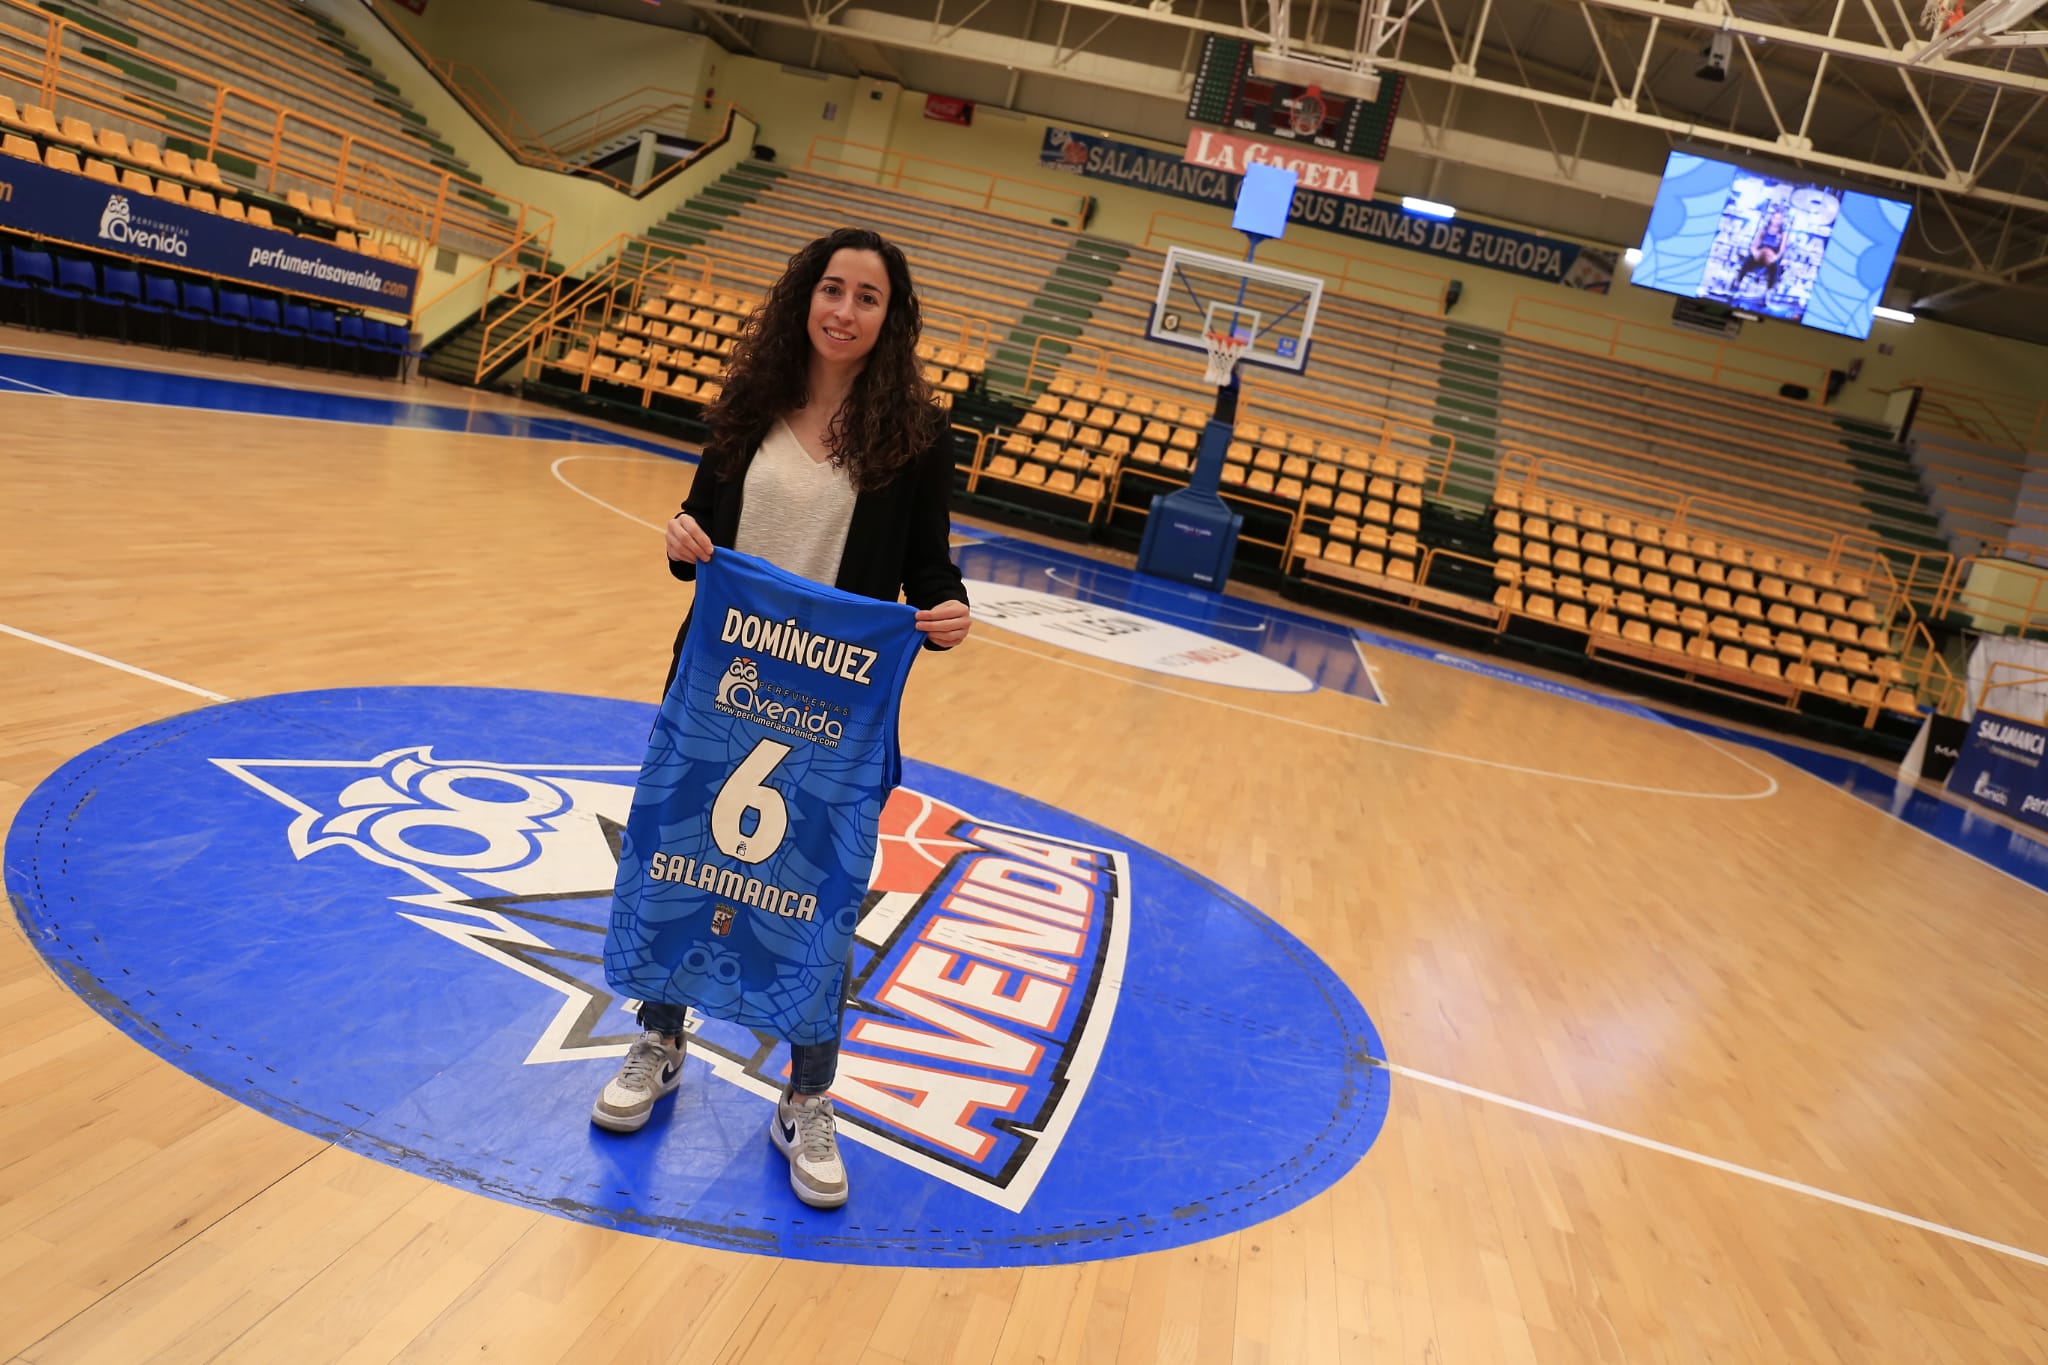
<point>743,674</point>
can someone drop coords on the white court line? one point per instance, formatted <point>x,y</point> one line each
<point>1770,788</point>
<point>1715,1163</point>
<point>1922,830</point>
<point>112,663</point>
<point>1568,1120</point>
<point>1370,672</point>
<point>38,388</point>
<point>606,441</point>
<point>556,470</point>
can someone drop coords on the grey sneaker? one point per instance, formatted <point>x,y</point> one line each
<point>805,1131</point>
<point>653,1067</point>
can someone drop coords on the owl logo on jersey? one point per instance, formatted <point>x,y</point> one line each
<point>743,673</point>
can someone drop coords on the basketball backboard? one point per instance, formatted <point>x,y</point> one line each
<point>1272,311</point>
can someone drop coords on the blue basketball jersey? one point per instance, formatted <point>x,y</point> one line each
<point>752,834</point>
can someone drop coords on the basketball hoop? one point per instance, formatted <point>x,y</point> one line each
<point>1306,116</point>
<point>1939,16</point>
<point>1224,352</point>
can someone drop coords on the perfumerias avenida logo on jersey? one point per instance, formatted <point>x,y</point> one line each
<point>742,693</point>
<point>379,915</point>
<point>987,967</point>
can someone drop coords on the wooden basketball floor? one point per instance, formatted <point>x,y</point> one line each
<point>1695,1059</point>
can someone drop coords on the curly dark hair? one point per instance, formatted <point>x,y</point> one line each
<point>889,418</point>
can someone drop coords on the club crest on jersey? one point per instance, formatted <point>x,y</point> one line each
<point>988,959</point>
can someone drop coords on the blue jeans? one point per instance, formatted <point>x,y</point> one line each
<point>812,1066</point>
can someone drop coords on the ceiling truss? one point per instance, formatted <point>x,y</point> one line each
<point>1990,192</point>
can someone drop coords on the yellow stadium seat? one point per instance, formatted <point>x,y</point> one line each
<point>14,144</point>
<point>38,122</point>
<point>62,159</point>
<point>76,132</point>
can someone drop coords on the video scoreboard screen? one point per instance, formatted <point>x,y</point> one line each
<point>1227,93</point>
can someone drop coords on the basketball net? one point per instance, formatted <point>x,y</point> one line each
<point>1224,352</point>
<point>1307,114</point>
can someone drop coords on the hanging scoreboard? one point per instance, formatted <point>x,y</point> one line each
<point>1227,92</point>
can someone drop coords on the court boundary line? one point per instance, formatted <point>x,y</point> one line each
<point>1365,662</point>
<point>87,654</point>
<point>1770,790</point>
<point>605,439</point>
<point>1393,1068</point>
<point>1711,1162</point>
<point>1941,794</point>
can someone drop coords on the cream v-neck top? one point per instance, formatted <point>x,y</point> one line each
<point>796,509</point>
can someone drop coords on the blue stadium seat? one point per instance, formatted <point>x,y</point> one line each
<point>235,307</point>
<point>398,342</point>
<point>160,296</point>
<point>140,302</point>
<point>14,298</point>
<point>378,343</point>
<point>35,270</point>
<point>355,338</point>
<point>198,308</point>
<point>78,281</point>
<point>327,335</point>
<point>298,324</point>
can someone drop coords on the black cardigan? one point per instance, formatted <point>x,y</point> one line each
<point>896,544</point>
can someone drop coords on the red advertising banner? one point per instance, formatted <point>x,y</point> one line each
<point>1344,176</point>
<point>947,109</point>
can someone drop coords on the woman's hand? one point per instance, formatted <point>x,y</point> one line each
<point>946,623</point>
<point>687,543</point>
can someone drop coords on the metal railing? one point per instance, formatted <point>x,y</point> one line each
<point>970,187</point>
<point>1988,416</point>
<point>282,148</point>
<point>1723,363</point>
<point>567,147</point>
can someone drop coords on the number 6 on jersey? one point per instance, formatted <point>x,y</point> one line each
<point>748,790</point>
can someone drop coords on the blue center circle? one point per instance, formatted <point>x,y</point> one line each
<point>378,916</point>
